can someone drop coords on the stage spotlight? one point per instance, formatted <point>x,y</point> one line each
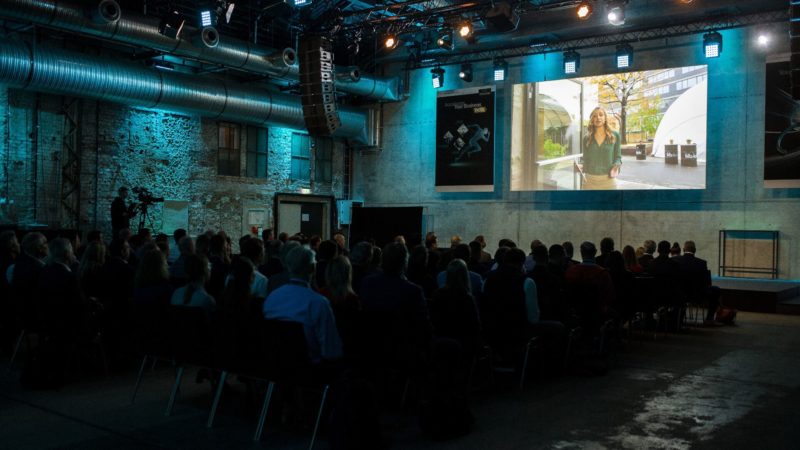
<point>465,29</point>
<point>445,39</point>
<point>712,44</point>
<point>207,17</point>
<point>584,10</point>
<point>466,72</point>
<point>500,69</point>
<point>298,3</point>
<point>763,39</point>
<point>572,62</point>
<point>624,56</point>
<point>171,24</point>
<point>390,42</point>
<point>616,12</point>
<point>437,77</point>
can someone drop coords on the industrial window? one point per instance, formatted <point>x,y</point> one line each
<point>256,152</point>
<point>323,160</point>
<point>301,157</point>
<point>228,151</point>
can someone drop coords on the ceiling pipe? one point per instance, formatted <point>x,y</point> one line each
<point>63,72</point>
<point>105,20</point>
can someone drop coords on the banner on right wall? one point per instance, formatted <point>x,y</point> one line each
<point>781,130</point>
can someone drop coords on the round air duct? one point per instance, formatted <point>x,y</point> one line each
<point>209,37</point>
<point>348,74</point>
<point>105,12</point>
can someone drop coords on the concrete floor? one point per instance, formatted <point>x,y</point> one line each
<point>729,387</point>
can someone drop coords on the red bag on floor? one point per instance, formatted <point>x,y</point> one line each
<point>726,315</point>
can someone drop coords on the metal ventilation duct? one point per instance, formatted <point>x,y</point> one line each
<point>103,21</point>
<point>63,72</point>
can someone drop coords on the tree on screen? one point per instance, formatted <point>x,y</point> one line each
<point>621,88</point>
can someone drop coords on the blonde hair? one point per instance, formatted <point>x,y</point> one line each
<point>606,127</point>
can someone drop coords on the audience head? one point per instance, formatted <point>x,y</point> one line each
<point>418,259</point>
<point>35,245</point>
<point>327,250</point>
<point>61,251</point>
<point>340,240</point>
<point>588,250</point>
<point>400,239</point>
<point>178,234</point>
<point>186,246</point>
<point>314,242</point>
<point>94,236</point>
<point>253,249</point>
<point>675,250</point>
<point>120,248</point>
<point>361,254</point>
<point>164,247</point>
<point>629,256</point>
<point>455,240</point>
<point>152,269</point>
<point>197,269</point>
<point>539,254</point>
<point>161,237</point>
<point>606,245</point>
<point>216,245</point>
<point>431,241</point>
<point>649,246</point>
<point>273,249</point>
<point>689,247</point>
<point>457,276</point>
<point>201,245</point>
<point>461,251</point>
<point>9,247</point>
<point>283,236</point>
<point>556,254</point>
<point>339,277</point>
<point>639,252</point>
<point>615,262</point>
<point>242,241</point>
<point>505,242</point>
<point>500,254</point>
<point>266,235</point>
<point>242,275</point>
<point>300,262</point>
<point>663,248</point>
<point>93,257</point>
<point>395,259</point>
<point>123,192</point>
<point>475,251</point>
<point>285,249</point>
<point>569,249</point>
<point>514,258</point>
<point>377,258</point>
<point>482,240</point>
<point>536,243</point>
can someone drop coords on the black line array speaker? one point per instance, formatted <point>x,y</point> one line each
<point>317,91</point>
<point>794,38</point>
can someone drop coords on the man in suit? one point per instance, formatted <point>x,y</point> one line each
<point>667,274</point>
<point>121,213</point>
<point>649,249</point>
<point>697,280</point>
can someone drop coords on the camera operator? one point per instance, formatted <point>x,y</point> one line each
<point>121,212</point>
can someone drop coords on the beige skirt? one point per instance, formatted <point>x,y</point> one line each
<point>599,183</point>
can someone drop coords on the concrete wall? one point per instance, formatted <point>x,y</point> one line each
<point>403,174</point>
<point>173,155</point>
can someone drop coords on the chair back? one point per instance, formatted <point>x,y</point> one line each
<point>284,352</point>
<point>190,335</point>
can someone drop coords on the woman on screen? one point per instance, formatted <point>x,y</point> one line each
<point>602,155</point>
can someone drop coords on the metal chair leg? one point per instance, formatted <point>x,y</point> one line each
<point>406,388</point>
<point>263,417</point>
<point>16,349</point>
<point>217,398</point>
<point>138,379</point>
<point>174,392</point>
<point>524,365</point>
<point>319,417</point>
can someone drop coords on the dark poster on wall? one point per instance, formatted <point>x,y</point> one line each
<point>465,140</point>
<point>782,130</point>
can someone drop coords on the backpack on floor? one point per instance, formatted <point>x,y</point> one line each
<point>726,315</point>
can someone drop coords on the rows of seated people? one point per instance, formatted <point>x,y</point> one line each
<point>364,307</point>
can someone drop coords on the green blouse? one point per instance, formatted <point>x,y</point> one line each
<point>599,159</point>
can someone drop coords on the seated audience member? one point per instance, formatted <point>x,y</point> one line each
<point>556,261</point>
<point>418,270</point>
<point>267,236</point>
<point>237,302</point>
<point>486,257</point>
<point>499,254</point>
<point>283,236</point>
<point>454,311</point>
<point>475,263</point>
<point>341,241</point>
<point>252,250</point>
<point>666,271</point>
<point>118,275</point>
<point>272,259</point>
<point>9,251</point>
<point>151,287</point>
<point>202,244</point>
<point>400,239</point>
<point>675,250</point>
<point>548,285</point>
<point>90,270</point>
<point>461,252</point>
<point>530,262</point>
<point>639,253</point>
<point>174,253</point>
<point>194,294</point>
<point>220,265</point>
<point>622,279</point>
<point>606,247</point>
<point>345,304</point>
<point>649,248</point>
<point>569,251</point>
<point>631,260</point>
<point>697,280</point>
<point>313,243</point>
<point>434,254</point>
<point>282,277</point>
<point>376,262</point>
<point>177,271</point>
<point>143,239</point>
<point>396,313</point>
<point>455,240</point>
<point>295,301</point>
<point>327,251</point>
<point>590,289</point>
<point>361,260</point>
<point>23,277</point>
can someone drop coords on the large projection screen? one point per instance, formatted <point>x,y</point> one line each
<point>622,131</point>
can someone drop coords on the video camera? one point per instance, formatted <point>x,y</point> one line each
<point>146,197</point>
